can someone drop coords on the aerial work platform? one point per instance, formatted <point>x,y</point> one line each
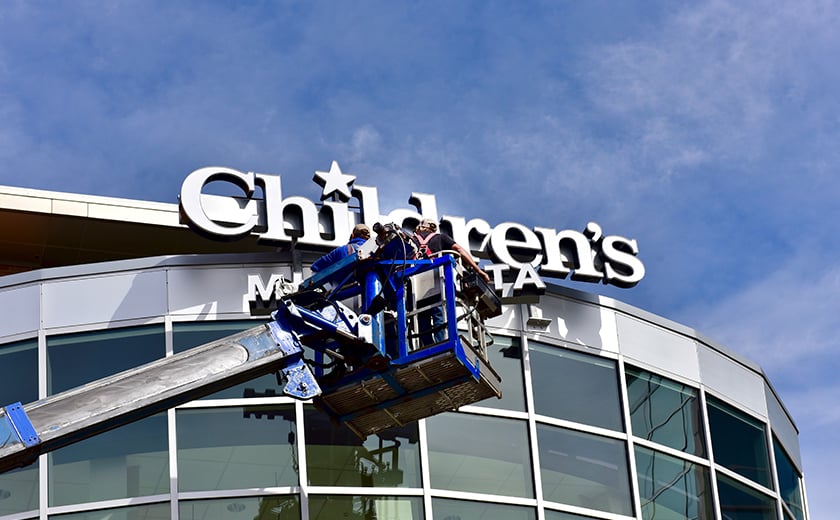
<point>377,345</point>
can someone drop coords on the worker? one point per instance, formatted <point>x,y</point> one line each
<point>430,242</point>
<point>359,235</point>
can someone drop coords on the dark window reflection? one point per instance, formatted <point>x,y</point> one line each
<point>283,507</point>
<point>584,470</point>
<point>664,411</point>
<point>505,355</point>
<point>19,490</point>
<point>789,481</point>
<point>574,386</point>
<point>672,488</point>
<point>362,507</point>
<point>146,512</point>
<point>562,515</point>
<point>738,502</point>
<point>739,442</point>
<point>19,372</point>
<point>188,335</point>
<point>236,448</point>
<point>129,461</point>
<point>335,456</point>
<point>94,355</point>
<point>448,509</point>
<point>480,454</point>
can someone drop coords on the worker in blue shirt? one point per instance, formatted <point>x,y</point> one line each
<point>359,235</point>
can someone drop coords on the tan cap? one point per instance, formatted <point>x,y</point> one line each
<point>429,223</point>
<point>361,230</point>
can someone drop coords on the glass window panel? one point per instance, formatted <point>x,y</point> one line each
<point>129,461</point>
<point>236,448</point>
<point>789,481</point>
<point>146,512</point>
<point>19,490</point>
<point>19,372</point>
<point>505,355</point>
<point>480,454</point>
<point>672,488</point>
<point>738,502</point>
<point>188,335</point>
<point>283,507</point>
<point>587,384</point>
<point>665,411</point>
<point>584,470</point>
<point>363,507</point>
<point>739,442</point>
<point>448,509</point>
<point>94,355</point>
<point>562,515</point>
<point>335,456</point>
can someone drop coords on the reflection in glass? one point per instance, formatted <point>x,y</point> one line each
<point>480,454</point>
<point>562,515</point>
<point>188,335</point>
<point>584,470</point>
<point>672,488</point>
<point>19,383</point>
<point>19,490</point>
<point>448,509</point>
<point>146,512</point>
<point>236,448</point>
<point>505,355</point>
<point>789,481</point>
<point>335,456</point>
<point>129,461</point>
<point>19,372</point>
<point>664,411</point>
<point>94,355</point>
<point>587,384</point>
<point>739,442</point>
<point>362,507</point>
<point>277,507</point>
<point>738,502</point>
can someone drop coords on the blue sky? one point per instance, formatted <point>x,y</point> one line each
<point>706,130</point>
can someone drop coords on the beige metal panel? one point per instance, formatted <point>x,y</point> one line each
<point>21,309</point>
<point>573,322</point>
<point>730,379</point>
<point>105,299</point>
<point>658,348</point>
<point>210,291</point>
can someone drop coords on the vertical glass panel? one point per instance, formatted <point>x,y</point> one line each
<point>144,512</point>
<point>789,481</point>
<point>665,411</point>
<point>363,507</point>
<point>584,470</point>
<point>335,456</point>
<point>236,448</point>
<point>739,442</point>
<point>188,335</point>
<point>129,461</point>
<point>76,359</point>
<point>19,490</point>
<point>19,382</point>
<point>480,454</point>
<point>672,488</point>
<point>738,502</point>
<point>448,509</point>
<point>576,387</point>
<point>505,355</point>
<point>283,507</point>
<point>19,372</point>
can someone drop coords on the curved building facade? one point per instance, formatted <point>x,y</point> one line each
<point>607,412</point>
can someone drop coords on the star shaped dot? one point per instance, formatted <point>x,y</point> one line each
<point>335,183</point>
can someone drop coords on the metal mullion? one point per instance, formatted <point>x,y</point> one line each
<point>536,471</point>
<point>631,450</point>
